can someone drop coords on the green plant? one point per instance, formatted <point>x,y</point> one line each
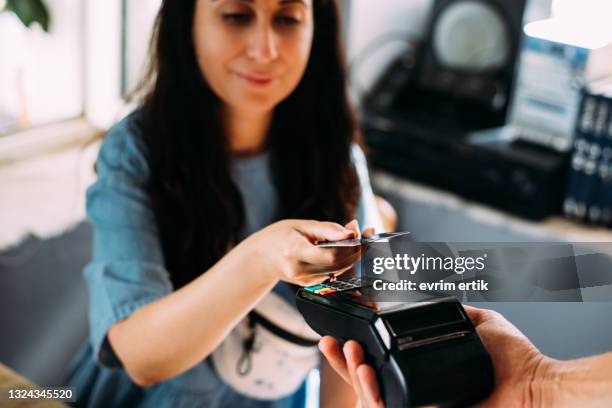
<point>29,12</point>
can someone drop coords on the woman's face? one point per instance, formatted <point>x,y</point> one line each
<point>253,53</point>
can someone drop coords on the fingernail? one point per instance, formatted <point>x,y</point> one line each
<point>344,348</point>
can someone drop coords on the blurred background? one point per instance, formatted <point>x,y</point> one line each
<point>485,120</point>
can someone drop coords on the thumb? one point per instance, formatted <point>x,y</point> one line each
<point>476,315</point>
<point>354,226</point>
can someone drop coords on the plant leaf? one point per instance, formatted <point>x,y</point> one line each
<point>30,11</point>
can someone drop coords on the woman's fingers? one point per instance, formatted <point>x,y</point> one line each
<point>312,280</point>
<point>317,277</point>
<point>328,259</point>
<point>368,232</point>
<point>325,260</point>
<point>369,385</point>
<point>332,351</point>
<point>323,231</point>
<point>348,262</point>
<point>354,226</point>
<point>354,357</point>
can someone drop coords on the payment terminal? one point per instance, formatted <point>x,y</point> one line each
<point>424,353</point>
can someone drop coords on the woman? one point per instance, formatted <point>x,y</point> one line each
<point>206,201</point>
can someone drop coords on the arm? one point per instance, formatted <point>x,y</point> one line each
<point>523,376</point>
<point>585,382</point>
<point>183,327</point>
<point>171,335</point>
<point>523,373</point>
<point>136,319</point>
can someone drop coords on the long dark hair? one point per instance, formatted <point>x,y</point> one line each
<point>198,207</point>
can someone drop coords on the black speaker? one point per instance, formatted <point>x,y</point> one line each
<point>422,118</point>
<point>463,70</point>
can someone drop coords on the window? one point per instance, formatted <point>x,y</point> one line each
<point>138,19</point>
<point>41,74</point>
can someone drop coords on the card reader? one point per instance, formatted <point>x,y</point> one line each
<point>424,353</point>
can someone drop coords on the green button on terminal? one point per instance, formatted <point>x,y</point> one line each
<point>314,288</point>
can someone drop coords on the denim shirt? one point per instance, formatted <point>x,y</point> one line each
<point>127,270</point>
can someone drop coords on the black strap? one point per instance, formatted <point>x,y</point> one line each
<point>280,332</point>
<point>243,366</point>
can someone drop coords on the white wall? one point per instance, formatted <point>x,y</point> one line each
<point>41,74</point>
<point>368,21</point>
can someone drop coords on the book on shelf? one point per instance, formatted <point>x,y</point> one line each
<point>589,189</point>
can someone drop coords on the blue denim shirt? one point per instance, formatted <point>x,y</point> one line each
<point>127,270</point>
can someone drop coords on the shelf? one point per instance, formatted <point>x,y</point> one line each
<point>554,228</point>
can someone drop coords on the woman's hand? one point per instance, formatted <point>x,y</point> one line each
<point>518,364</point>
<point>286,250</point>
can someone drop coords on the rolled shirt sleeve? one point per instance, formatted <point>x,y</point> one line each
<point>127,269</point>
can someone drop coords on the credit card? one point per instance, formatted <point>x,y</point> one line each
<point>384,237</point>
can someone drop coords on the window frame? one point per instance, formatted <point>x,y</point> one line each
<point>102,100</point>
